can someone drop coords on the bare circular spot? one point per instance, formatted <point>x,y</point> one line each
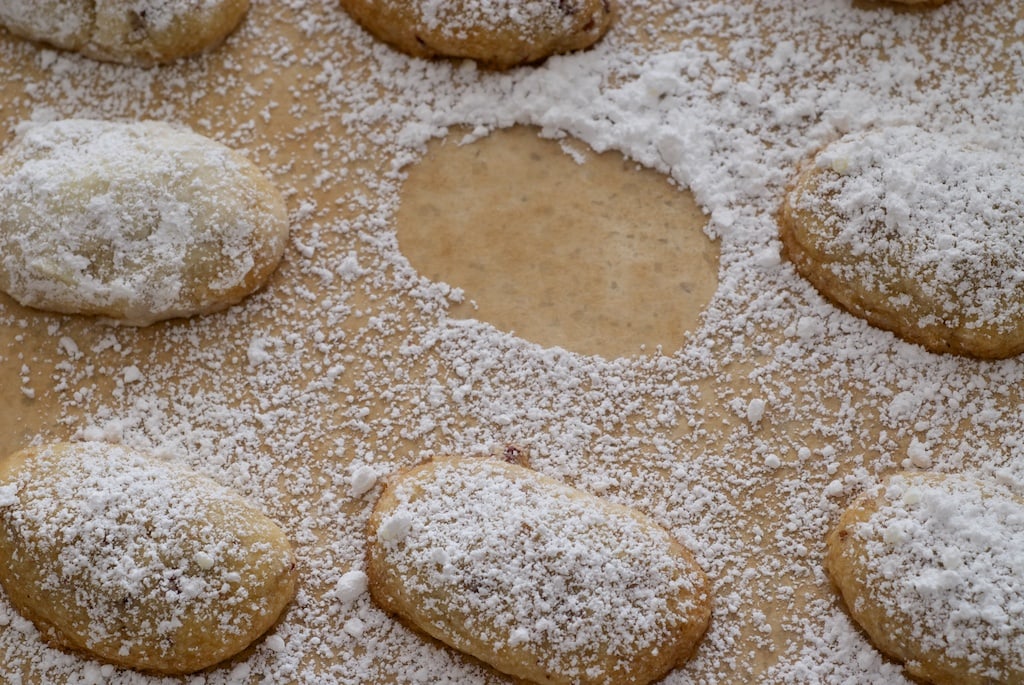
<point>600,257</point>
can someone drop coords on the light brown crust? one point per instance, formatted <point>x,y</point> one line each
<point>878,285</point>
<point>855,569</point>
<point>254,558</point>
<point>410,592</point>
<point>123,31</point>
<point>501,41</point>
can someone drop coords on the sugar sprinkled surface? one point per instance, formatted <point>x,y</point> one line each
<point>354,359</point>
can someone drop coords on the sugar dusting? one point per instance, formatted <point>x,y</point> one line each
<point>946,555</point>
<point>508,562</point>
<point>141,220</point>
<point>745,441</point>
<point>947,212</point>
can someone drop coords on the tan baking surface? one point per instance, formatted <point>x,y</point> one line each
<point>595,254</point>
<point>349,357</point>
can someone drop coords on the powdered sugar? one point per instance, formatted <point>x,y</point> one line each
<point>931,210</point>
<point>135,540</point>
<point>520,563</point>
<point>947,556</point>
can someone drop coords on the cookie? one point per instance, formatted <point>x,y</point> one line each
<point>540,580</point>
<point>918,233</point>
<point>138,32</point>
<point>931,568</point>
<point>135,561</point>
<point>134,222</point>
<point>497,33</point>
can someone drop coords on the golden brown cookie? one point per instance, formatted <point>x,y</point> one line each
<point>537,579</point>
<point>139,32</point>
<point>932,568</point>
<point>498,33</point>
<point>136,222</point>
<point>917,232</point>
<point>135,561</point>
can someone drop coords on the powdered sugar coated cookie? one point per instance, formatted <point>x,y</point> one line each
<point>136,561</point>
<point>541,581</point>
<point>142,32</point>
<point>931,567</point>
<point>917,232</point>
<point>136,222</point>
<point>499,33</point>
